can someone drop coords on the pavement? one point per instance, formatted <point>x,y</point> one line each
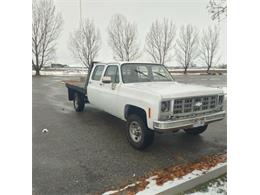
<point>87,153</point>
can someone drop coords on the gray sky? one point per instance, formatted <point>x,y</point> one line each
<point>142,12</point>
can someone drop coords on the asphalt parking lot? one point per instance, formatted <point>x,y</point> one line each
<point>87,153</point>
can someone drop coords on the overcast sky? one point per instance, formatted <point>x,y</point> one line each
<point>142,12</point>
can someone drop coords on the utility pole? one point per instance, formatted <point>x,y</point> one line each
<point>80,13</point>
<point>80,27</point>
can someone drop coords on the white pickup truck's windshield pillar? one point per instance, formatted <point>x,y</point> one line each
<point>135,73</point>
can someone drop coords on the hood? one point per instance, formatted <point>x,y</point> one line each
<point>175,89</point>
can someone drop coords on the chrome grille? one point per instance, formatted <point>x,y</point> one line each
<point>194,104</point>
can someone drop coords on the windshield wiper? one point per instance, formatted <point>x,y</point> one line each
<point>160,74</point>
<point>138,71</point>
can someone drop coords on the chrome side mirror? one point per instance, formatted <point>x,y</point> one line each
<point>106,79</point>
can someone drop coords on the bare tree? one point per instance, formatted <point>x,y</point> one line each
<point>217,9</point>
<point>209,46</point>
<point>123,38</point>
<point>46,27</point>
<point>85,42</point>
<point>187,46</point>
<point>160,41</point>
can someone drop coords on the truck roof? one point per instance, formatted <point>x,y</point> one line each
<point>124,62</point>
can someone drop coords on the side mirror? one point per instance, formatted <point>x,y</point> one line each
<point>106,79</point>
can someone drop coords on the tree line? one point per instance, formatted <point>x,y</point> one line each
<point>163,41</point>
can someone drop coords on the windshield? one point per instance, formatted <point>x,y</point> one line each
<point>135,73</point>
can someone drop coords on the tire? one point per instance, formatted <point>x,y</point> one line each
<point>196,130</point>
<point>138,134</point>
<point>78,102</point>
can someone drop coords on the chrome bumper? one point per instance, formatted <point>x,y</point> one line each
<point>187,123</point>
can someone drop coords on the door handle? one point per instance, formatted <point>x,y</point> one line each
<point>101,84</point>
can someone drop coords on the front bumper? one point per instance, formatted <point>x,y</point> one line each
<point>187,123</point>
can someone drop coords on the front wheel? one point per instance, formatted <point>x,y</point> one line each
<point>78,102</point>
<point>138,134</point>
<point>196,130</point>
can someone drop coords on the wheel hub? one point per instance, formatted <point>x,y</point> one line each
<point>135,131</point>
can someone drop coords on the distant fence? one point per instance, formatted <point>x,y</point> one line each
<point>201,71</point>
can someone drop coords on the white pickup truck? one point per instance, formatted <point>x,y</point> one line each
<point>148,98</point>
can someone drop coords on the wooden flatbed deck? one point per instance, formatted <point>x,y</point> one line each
<point>76,85</point>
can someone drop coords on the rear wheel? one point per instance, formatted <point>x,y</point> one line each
<point>78,102</point>
<point>138,134</point>
<point>196,130</point>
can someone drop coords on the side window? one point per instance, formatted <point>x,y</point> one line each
<point>97,73</point>
<point>112,71</point>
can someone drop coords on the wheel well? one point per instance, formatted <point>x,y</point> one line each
<point>130,109</point>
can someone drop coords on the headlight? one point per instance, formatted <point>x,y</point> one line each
<point>165,106</point>
<point>220,99</point>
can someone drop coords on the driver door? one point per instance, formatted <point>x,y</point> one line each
<point>110,90</point>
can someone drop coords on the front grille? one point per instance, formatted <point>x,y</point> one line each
<point>194,104</point>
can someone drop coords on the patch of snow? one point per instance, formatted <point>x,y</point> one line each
<point>153,188</point>
<point>188,73</point>
<point>216,187</point>
<point>122,189</point>
<point>196,69</point>
<point>175,73</point>
<point>111,192</point>
<point>62,73</point>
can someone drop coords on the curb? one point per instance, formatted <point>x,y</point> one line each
<point>195,181</point>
